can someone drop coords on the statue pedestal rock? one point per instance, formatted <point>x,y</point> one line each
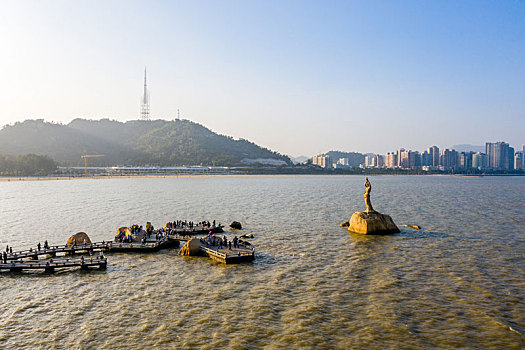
<point>371,222</point>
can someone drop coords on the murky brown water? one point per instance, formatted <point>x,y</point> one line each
<point>458,283</point>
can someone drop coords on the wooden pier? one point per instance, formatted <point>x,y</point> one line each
<point>228,256</point>
<point>55,257</point>
<point>53,251</point>
<point>52,264</point>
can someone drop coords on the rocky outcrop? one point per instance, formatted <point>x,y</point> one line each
<point>345,224</point>
<point>123,231</point>
<point>191,248</point>
<point>236,225</point>
<point>370,223</point>
<point>78,239</point>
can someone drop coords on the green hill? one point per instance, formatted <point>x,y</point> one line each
<point>158,142</point>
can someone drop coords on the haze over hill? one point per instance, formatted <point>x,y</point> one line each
<point>158,142</point>
<point>354,159</point>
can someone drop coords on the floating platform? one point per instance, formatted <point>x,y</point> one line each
<point>51,265</point>
<point>228,256</point>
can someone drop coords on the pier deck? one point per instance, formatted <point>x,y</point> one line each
<point>228,256</point>
<point>53,251</point>
<point>51,265</point>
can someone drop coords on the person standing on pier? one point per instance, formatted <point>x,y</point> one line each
<point>38,246</point>
<point>46,245</point>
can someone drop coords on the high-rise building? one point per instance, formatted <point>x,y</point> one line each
<point>370,161</point>
<point>406,159</point>
<point>380,161</point>
<point>402,158</point>
<point>417,159</point>
<point>479,160</point>
<point>390,160</point>
<point>434,156</point>
<point>510,156</point>
<point>465,160</point>
<point>523,157</point>
<point>343,162</point>
<point>426,160</point>
<point>322,160</point>
<point>518,160</point>
<point>498,154</point>
<point>374,161</point>
<point>449,158</point>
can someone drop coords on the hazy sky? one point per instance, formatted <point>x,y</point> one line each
<point>299,77</point>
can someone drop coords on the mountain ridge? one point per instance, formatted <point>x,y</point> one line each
<point>156,142</point>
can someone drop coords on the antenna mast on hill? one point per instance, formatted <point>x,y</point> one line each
<point>144,108</point>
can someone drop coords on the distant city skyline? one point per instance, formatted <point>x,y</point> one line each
<point>499,156</point>
<point>298,77</point>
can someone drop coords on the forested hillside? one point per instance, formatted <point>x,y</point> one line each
<point>158,142</point>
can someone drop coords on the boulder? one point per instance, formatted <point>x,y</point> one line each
<point>345,224</point>
<point>78,239</point>
<point>236,225</point>
<point>191,248</point>
<point>247,236</point>
<point>417,227</point>
<point>372,222</point>
<point>123,231</point>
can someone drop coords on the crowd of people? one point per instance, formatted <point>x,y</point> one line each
<point>178,227</point>
<point>190,225</point>
<point>212,240</point>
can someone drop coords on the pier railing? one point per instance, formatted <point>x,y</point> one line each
<point>109,245</point>
<point>42,264</point>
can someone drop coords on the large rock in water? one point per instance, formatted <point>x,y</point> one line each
<point>191,248</point>
<point>372,223</point>
<point>78,239</point>
<point>123,232</point>
<point>236,225</point>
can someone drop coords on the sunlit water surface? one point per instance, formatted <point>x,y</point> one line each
<point>457,283</point>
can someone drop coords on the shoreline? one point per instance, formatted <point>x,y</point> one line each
<point>103,177</point>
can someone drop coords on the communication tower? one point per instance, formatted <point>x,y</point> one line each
<point>144,108</point>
